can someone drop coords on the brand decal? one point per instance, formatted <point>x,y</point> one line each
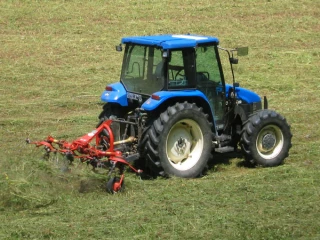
<point>134,96</point>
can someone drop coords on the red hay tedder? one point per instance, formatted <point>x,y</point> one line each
<point>97,148</point>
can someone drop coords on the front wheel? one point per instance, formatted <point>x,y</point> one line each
<point>266,139</point>
<point>179,142</point>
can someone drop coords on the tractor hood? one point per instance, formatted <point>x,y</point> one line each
<point>244,94</point>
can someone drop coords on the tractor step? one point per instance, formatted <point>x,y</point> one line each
<point>224,149</point>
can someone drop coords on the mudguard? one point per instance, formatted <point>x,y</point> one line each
<point>161,96</point>
<point>244,94</point>
<point>117,94</point>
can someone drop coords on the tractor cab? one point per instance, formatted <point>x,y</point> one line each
<point>174,63</point>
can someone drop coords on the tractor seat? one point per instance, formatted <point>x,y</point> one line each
<point>158,74</point>
<point>202,77</point>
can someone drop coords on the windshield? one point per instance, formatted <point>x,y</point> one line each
<point>142,69</point>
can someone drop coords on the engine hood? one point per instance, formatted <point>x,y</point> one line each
<point>244,94</point>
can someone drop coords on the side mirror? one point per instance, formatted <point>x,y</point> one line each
<point>119,48</point>
<point>233,60</point>
<point>242,51</point>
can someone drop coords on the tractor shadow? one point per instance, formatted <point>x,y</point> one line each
<point>226,158</point>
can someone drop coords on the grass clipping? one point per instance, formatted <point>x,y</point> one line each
<point>36,183</point>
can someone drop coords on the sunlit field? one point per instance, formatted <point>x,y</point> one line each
<point>56,57</point>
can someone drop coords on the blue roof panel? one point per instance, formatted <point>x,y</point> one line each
<point>171,41</point>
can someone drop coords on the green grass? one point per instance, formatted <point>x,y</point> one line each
<point>56,58</point>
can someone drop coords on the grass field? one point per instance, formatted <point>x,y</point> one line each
<point>56,57</point>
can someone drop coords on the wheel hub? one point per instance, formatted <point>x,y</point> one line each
<point>268,141</point>
<point>180,142</point>
<point>181,145</point>
<point>184,144</point>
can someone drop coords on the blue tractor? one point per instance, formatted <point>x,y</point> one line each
<point>172,110</point>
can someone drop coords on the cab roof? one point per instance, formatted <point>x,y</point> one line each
<point>171,41</point>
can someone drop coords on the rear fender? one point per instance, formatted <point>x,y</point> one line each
<point>118,94</point>
<point>160,97</point>
<point>166,98</point>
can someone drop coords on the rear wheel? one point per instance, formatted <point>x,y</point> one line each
<point>266,139</point>
<point>179,142</point>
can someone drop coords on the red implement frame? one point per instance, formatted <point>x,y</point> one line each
<point>83,149</point>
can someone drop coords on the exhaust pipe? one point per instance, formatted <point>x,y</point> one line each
<point>265,102</point>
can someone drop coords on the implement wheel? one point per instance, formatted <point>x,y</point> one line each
<point>266,139</point>
<point>114,185</point>
<point>179,142</point>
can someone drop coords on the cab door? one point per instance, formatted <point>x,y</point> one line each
<point>210,81</point>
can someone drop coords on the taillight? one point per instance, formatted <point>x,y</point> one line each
<point>108,88</point>
<point>155,97</point>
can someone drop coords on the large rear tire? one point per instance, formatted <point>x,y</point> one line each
<point>178,142</point>
<point>266,139</point>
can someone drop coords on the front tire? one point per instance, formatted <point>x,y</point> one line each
<point>179,142</point>
<point>266,139</point>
